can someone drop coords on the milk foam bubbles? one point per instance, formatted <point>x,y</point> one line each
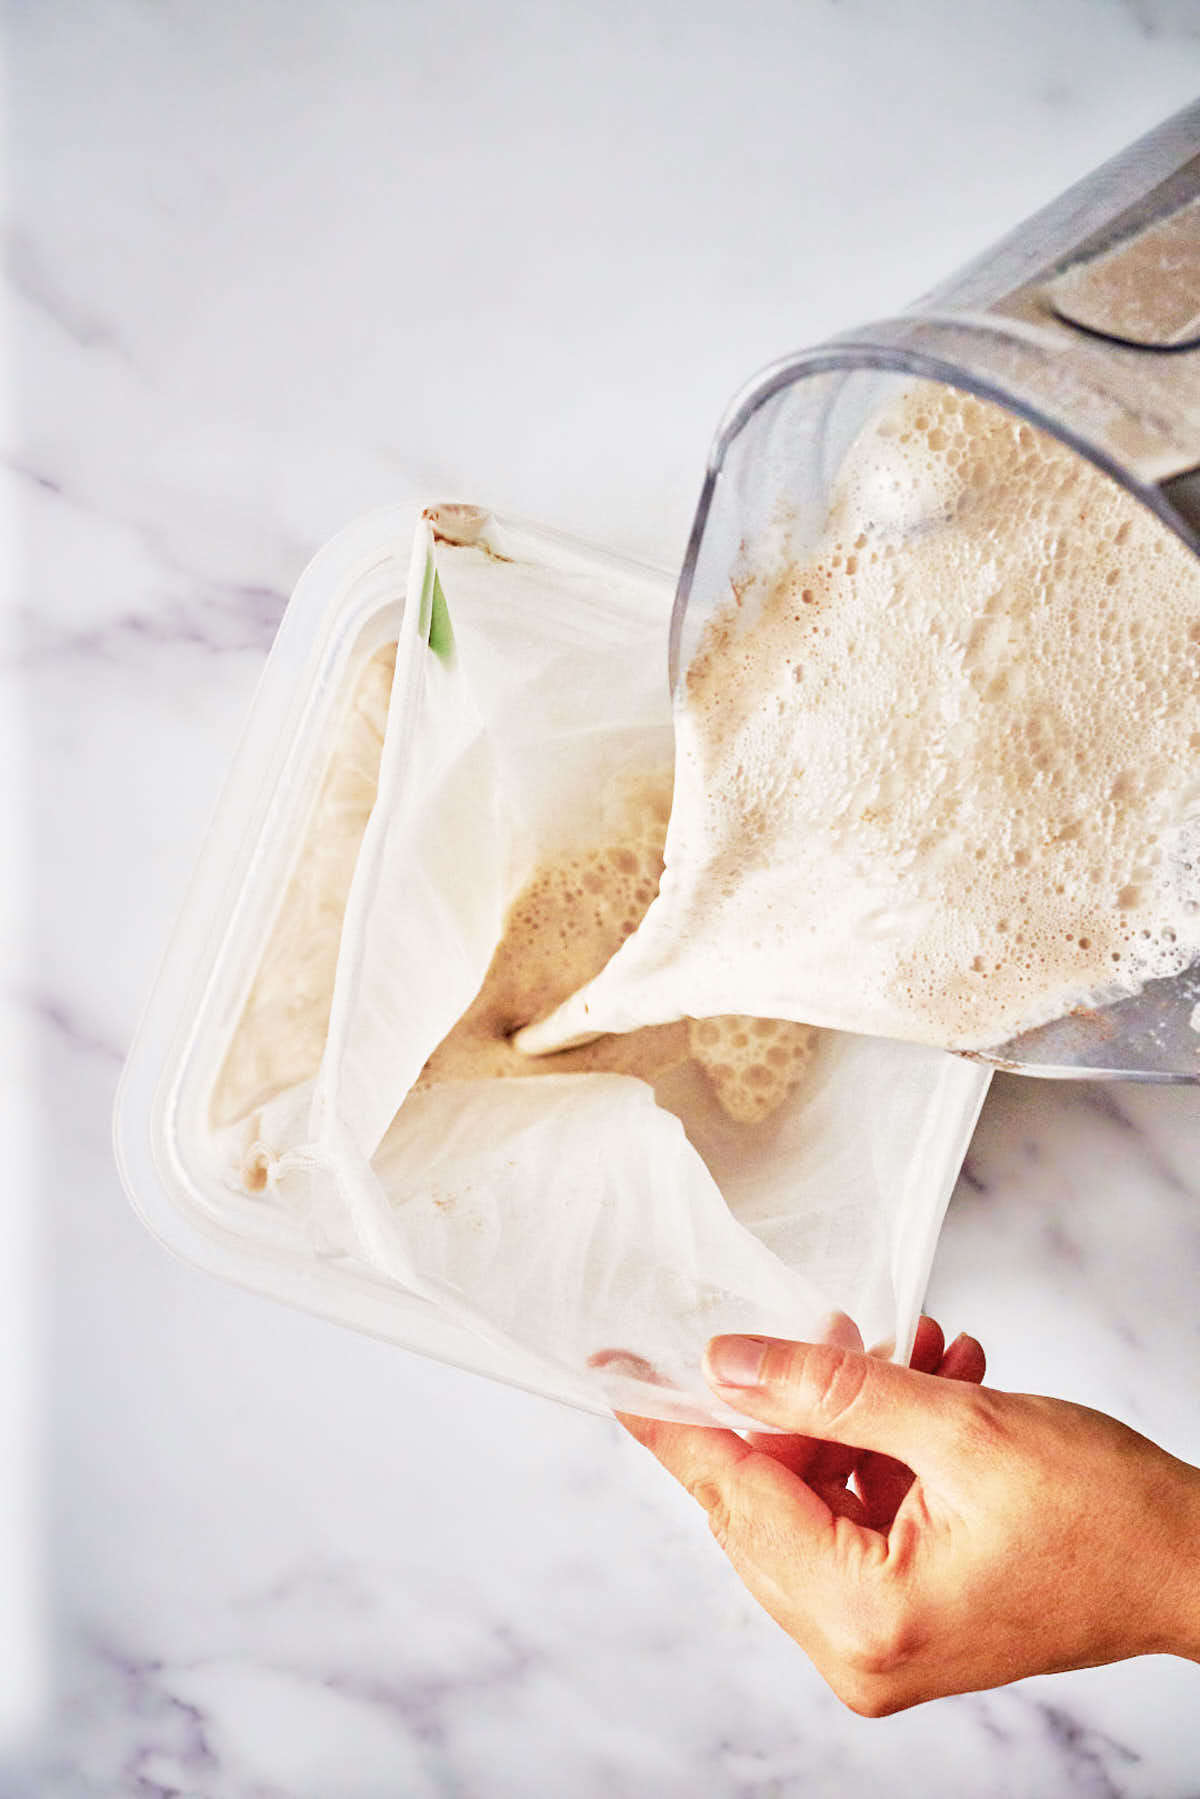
<point>940,781</point>
<point>564,925</point>
<point>574,910</point>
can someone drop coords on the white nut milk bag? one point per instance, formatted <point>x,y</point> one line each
<point>571,1215</point>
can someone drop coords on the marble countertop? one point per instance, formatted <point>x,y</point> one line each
<point>269,266</point>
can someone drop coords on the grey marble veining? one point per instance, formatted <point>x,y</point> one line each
<point>266,267</point>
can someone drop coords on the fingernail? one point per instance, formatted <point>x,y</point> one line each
<point>737,1361</point>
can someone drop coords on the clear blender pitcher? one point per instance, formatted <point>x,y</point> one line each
<point>1085,321</point>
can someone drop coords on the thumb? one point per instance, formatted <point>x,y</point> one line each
<point>839,1395</point>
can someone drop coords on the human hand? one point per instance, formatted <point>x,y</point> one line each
<point>1035,1536</point>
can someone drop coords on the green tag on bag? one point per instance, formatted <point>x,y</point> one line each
<point>441,637</point>
<point>434,623</point>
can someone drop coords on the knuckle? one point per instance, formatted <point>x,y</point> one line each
<point>982,1426</point>
<point>719,1524</point>
<point>720,1492</point>
<point>710,1496</point>
<point>837,1378</point>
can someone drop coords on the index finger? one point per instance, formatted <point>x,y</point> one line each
<point>728,1477</point>
<point>800,1561</point>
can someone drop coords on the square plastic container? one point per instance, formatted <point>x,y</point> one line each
<point>347,605</point>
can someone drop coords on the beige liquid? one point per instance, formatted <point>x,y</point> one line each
<point>563,927</point>
<point>281,1033</point>
<point>573,913</point>
<point>940,780</point>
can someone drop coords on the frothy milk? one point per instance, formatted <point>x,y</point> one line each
<point>941,782</point>
<point>573,913</point>
<point>575,910</point>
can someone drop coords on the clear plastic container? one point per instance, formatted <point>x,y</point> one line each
<point>346,606</point>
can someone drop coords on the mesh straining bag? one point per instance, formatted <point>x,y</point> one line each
<point>572,1215</point>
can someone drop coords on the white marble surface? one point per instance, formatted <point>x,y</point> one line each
<point>269,265</point>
